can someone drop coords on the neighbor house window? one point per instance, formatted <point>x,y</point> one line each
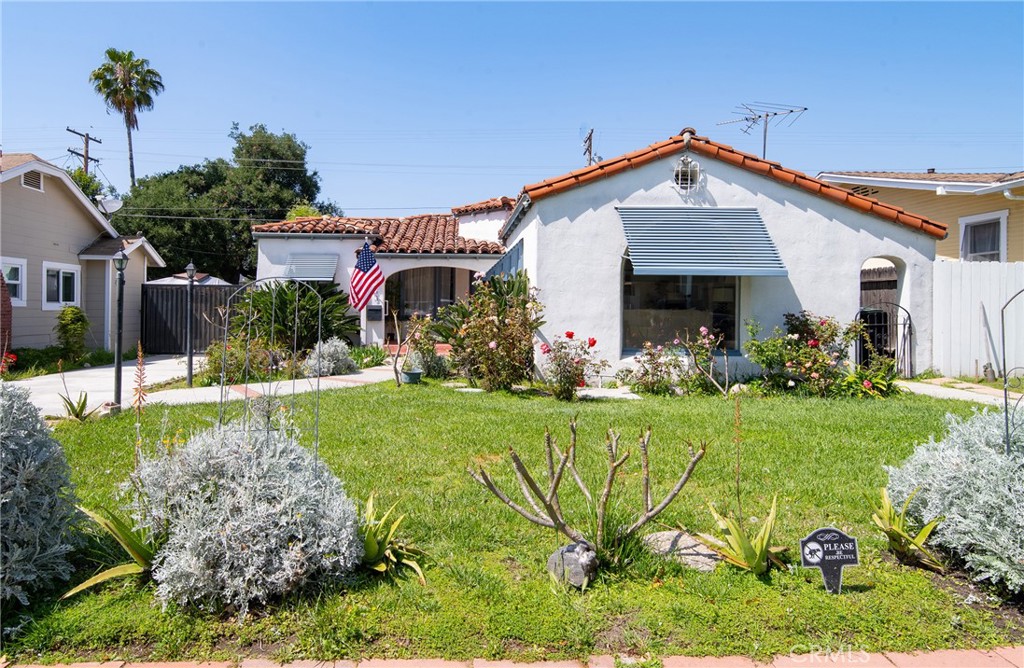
<point>662,308</point>
<point>14,276</point>
<point>61,285</point>
<point>983,237</point>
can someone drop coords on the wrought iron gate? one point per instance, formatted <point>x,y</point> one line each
<point>888,331</point>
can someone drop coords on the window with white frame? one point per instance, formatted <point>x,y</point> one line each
<point>61,285</point>
<point>983,237</point>
<point>14,276</point>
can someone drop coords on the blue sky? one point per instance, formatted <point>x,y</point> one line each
<point>414,107</point>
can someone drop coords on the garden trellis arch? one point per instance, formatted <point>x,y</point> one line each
<point>272,361</point>
<point>1017,382</point>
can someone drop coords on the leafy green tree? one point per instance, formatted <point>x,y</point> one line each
<point>127,85</point>
<point>88,183</point>
<point>204,213</point>
<point>302,210</point>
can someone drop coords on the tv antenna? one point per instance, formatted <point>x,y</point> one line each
<point>587,135</point>
<point>764,113</point>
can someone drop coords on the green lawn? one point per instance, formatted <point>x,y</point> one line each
<point>488,594</point>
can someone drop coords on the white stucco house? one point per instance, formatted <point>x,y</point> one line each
<point>428,260</point>
<point>689,232</point>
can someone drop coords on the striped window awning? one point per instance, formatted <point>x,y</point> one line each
<point>699,241</point>
<point>311,267</point>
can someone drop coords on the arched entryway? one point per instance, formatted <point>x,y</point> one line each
<point>421,291</point>
<point>888,325</point>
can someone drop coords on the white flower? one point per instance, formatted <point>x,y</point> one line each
<point>791,384</point>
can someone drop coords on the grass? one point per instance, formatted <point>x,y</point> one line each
<point>488,594</point>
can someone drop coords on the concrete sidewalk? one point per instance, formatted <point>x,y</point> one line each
<point>1002,657</point>
<point>940,388</point>
<point>98,384</point>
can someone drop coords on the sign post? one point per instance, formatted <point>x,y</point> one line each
<point>829,550</point>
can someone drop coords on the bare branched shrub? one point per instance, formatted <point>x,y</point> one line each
<point>546,509</point>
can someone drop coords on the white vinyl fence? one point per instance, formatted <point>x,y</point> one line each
<point>967,299</point>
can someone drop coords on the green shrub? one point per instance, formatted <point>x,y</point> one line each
<point>37,499</point>
<point>368,356</point>
<point>71,328</point>
<point>492,332</point>
<point>242,360</point>
<point>329,358</point>
<point>287,312</point>
<point>424,344</point>
<point>969,480</point>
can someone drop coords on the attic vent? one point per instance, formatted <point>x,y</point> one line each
<point>864,191</point>
<point>33,180</point>
<point>687,174</point>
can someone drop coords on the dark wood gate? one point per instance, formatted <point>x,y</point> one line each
<point>164,312</point>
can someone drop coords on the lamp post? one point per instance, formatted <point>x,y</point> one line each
<point>190,271</point>
<point>120,262</point>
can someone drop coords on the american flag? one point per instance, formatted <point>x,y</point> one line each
<point>366,278</point>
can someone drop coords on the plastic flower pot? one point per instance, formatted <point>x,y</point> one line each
<point>412,376</point>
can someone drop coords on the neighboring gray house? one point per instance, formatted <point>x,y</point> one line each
<point>56,249</point>
<point>688,233</point>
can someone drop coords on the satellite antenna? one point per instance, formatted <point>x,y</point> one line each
<point>764,113</point>
<point>109,206</point>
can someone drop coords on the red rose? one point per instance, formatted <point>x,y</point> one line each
<point>570,334</point>
<point>591,342</point>
<point>582,383</point>
<point>545,348</point>
<point>813,343</point>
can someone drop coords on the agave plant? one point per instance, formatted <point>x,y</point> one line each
<point>907,548</point>
<point>742,552</point>
<point>383,551</point>
<point>77,409</point>
<point>138,544</point>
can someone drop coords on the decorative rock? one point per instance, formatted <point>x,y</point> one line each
<point>469,390</point>
<point>684,548</point>
<point>575,564</point>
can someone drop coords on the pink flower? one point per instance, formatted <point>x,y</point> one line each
<point>789,365</point>
<point>867,384</point>
<point>823,322</point>
<point>703,331</point>
<point>660,348</point>
<point>478,275</point>
<point>675,342</point>
<point>492,345</point>
<point>570,334</point>
<point>545,348</point>
<point>591,342</point>
<point>815,375</point>
<point>813,343</point>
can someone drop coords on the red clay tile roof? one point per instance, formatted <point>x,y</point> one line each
<point>493,204</point>
<point>945,177</point>
<point>422,234</point>
<point>773,170</point>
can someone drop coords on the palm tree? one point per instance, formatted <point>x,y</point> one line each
<point>128,86</point>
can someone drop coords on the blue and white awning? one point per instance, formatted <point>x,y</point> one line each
<point>699,241</point>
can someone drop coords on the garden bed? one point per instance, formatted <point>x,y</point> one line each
<point>488,594</point>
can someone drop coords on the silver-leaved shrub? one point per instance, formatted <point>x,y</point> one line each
<point>968,479</point>
<point>37,501</point>
<point>248,514</point>
<point>329,358</point>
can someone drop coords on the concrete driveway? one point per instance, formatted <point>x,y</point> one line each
<point>98,382</point>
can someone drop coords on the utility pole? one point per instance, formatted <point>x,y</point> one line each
<point>86,138</point>
<point>588,147</point>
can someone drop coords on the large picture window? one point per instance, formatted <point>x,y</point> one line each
<point>420,291</point>
<point>660,308</point>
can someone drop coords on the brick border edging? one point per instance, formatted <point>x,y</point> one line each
<point>999,657</point>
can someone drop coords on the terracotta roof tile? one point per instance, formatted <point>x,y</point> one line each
<point>990,178</point>
<point>706,147</point>
<point>493,204</point>
<point>422,234</point>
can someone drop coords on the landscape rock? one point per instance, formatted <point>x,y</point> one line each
<point>575,564</point>
<point>684,548</point>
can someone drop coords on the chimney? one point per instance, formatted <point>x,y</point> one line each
<point>931,170</point>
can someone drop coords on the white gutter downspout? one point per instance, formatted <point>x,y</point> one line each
<point>1008,195</point>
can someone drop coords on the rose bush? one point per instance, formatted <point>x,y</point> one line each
<point>568,362</point>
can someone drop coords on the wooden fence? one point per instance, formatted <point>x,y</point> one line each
<point>967,298</point>
<point>164,316</point>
